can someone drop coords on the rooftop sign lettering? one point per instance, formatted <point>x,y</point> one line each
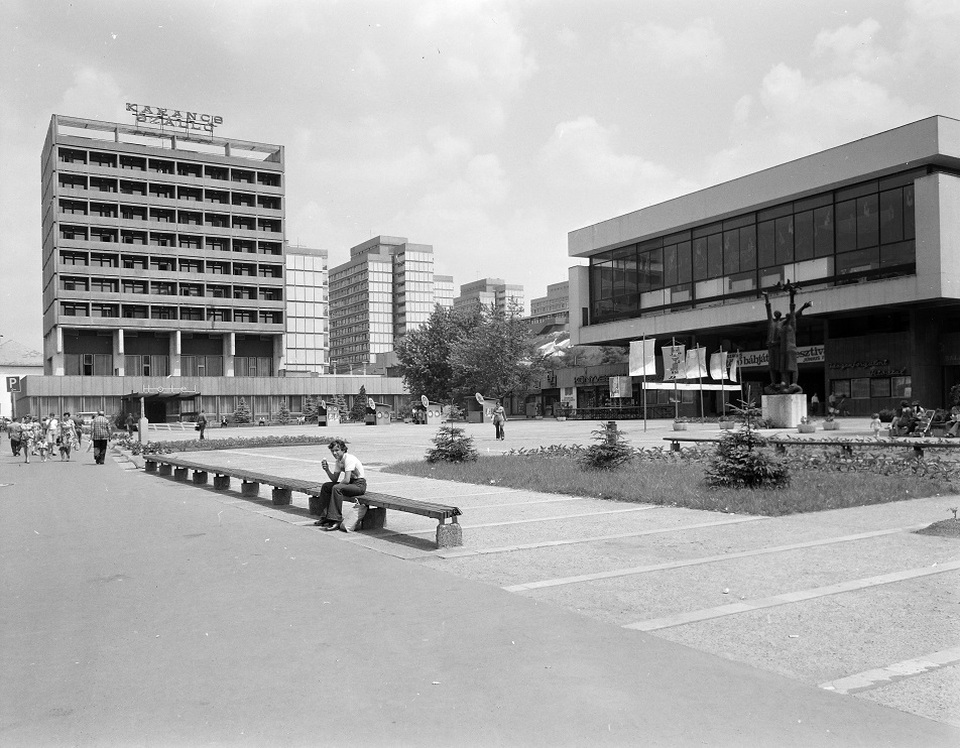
<point>149,115</point>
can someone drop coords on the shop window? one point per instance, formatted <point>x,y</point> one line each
<point>901,387</point>
<point>880,387</point>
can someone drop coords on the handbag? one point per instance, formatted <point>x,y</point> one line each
<point>197,427</point>
<point>353,517</point>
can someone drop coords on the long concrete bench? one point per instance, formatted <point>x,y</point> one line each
<point>845,444</point>
<point>448,535</point>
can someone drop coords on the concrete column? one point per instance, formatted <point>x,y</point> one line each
<point>449,536</point>
<point>119,357</point>
<point>229,352</point>
<point>200,477</point>
<point>249,489</point>
<point>180,473</point>
<point>164,469</point>
<point>281,496</point>
<point>221,482</point>
<point>175,353</point>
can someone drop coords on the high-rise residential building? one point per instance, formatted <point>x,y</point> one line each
<point>443,291</point>
<point>385,289</point>
<point>491,292</point>
<point>307,310</point>
<point>554,308</point>
<point>162,252</point>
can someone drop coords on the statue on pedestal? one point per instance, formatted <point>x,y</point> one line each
<point>782,343</point>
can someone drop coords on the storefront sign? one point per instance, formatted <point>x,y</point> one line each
<point>811,354</point>
<point>591,379</point>
<point>174,118</point>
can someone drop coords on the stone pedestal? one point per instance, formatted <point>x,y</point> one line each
<point>374,519</point>
<point>180,473</point>
<point>281,496</point>
<point>150,466</point>
<point>221,481</point>
<point>249,489</point>
<point>449,536</point>
<point>784,411</point>
<point>164,469</point>
<point>200,477</point>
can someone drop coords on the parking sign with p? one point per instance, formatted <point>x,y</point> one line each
<point>13,384</point>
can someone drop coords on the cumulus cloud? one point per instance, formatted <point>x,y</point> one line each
<point>692,49</point>
<point>854,48</point>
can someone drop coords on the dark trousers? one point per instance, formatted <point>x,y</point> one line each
<point>99,450</point>
<point>15,447</point>
<point>202,429</point>
<point>332,495</point>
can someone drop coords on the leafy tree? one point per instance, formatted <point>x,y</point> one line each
<point>359,410</point>
<point>498,357</point>
<point>242,413</point>
<point>423,355</point>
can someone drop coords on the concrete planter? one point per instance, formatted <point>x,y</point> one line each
<point>807,428</point>
<point>830,426</point>
<point>679,426</point>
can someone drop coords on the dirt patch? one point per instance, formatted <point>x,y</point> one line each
<point>946,528</point>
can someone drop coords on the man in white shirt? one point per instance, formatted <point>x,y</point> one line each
<point>346,479</point>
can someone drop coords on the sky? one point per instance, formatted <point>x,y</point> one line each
<point>488,129</point>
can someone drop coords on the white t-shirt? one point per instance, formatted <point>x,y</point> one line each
<point>351,466</point>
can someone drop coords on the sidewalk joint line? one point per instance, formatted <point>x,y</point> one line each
<point>853,585</point>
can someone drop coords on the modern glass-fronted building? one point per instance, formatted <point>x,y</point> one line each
<point>307,311</point>
<point>869,230</point>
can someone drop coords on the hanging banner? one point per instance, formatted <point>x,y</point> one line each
<point>643,358</point>
<point>718,365</point>
<point>673,357</point>
<point>696,363</point>
<point>621,387</point>
<point>734,367</point>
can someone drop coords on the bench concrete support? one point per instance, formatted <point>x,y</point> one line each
<point>221,481</point>
<point>249,489</point>
<point>374,519</point>
<point>200,477</point>
<point>150,466</point>
<point>449,536</point>
<point>180,473</point>
<point>164,469</point>
<point>282,496</point>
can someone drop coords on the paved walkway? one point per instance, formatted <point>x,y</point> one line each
<point>137,609</point>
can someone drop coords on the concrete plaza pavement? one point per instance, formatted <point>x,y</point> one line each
<point>138,610</point>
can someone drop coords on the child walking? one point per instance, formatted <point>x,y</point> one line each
<point>875,424</point>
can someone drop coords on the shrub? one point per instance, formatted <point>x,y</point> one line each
<point>242,413</point>
<point>452,445</point>
<point>741,461</point>
<point>610,451</point>
<point>283,415</point>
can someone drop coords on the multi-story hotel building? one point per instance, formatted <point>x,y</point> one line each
<point>490,292</point>
<point>871,232</point>
<point>386,289</point>
<point>166,285</point>
<point>162,252</point>
<point>307,310</point>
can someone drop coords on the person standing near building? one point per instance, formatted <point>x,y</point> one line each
<point>28,437</point>
<point>201,423</point>
<point>815,405</point>
<point>100,434</point>
<point>130,424</point>
<point>499,418</point>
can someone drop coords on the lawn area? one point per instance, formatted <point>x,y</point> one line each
<point>680,482</point>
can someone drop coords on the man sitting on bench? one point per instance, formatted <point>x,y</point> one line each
<point>346,479</point>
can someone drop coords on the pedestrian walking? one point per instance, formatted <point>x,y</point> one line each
<point>15,431</point>
<point>499,418</point>
<point>28,438</point>
<point>201,423</point>
<point>68,437</point>
<point>100,434</point>
<point>130,423</point>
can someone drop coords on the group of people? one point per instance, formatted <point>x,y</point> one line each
<point>907,418</point>
<point>44,437</point>
<point>51,435</point>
